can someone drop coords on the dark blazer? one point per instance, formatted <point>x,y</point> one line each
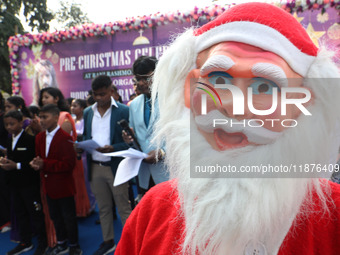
<point>23,153</point>
<point>56,175</point>
<point>3,132</point>
<point>122,112</point>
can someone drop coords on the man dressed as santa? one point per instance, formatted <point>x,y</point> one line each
<point>251,94</point>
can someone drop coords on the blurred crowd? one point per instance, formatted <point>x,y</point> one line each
<point>46,181</point>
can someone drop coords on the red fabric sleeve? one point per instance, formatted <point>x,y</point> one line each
<point>154,226</point>
<point>319,232</point>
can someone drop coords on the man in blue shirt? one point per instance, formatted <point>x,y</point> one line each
<point>143,116</point>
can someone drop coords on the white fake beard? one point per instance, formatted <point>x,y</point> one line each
<point>223,215</point>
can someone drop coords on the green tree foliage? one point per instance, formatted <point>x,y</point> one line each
<point>36,14</point>
<point>71,14</point>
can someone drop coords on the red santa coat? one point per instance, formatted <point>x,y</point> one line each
<point>155,227</point>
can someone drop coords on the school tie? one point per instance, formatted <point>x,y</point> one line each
<point>147,111</point>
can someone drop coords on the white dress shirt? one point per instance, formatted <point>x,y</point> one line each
<point>15,139</point>
<point>49,137</point>
<point>101,126</point>
<point>14,143</point>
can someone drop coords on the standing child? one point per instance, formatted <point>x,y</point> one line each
<point>54,96</point>
<point>17,103</point>
<point>55,157</point>
<point>24,183</point>
<point>66,122</point>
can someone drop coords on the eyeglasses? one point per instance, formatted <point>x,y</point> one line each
<point>142,77</point>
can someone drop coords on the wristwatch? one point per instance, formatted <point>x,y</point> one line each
<point>162,154</point>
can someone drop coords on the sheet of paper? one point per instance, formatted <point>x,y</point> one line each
<point>88,145</point>
<point>130,153</point>
<point>128,167</point>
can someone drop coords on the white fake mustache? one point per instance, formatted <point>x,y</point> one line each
<point>257,135</point>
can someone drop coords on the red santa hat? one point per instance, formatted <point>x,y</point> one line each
<point>265,26</point>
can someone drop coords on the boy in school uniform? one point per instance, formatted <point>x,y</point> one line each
<point>25,185</point>
<point>55,158</point>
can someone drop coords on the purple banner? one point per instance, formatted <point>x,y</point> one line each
<point>71,65</point>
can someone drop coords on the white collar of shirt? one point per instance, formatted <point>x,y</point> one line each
<point>113,102</point>
<point>52,133</point>
<point>15,139</point>
<point>49,137</point>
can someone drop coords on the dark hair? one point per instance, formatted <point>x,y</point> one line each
<point>144,65</point>
<point>54,92</point>
<point>50,108</point>
<point>20,102</point>
<point>101,81</point>
<point>81,102</point>
<point>132,96</point>
<point>15,115</point>
<point>34,109</point>
<point>90,101</point>
<point>114,87</point>
<point>115,90</point>
<point>69,100</point>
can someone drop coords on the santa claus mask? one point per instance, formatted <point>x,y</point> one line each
<point>259,76</point>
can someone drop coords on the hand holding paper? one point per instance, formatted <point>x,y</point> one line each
<point>88,145</point>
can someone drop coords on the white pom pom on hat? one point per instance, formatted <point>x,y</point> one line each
<point>264,26</point>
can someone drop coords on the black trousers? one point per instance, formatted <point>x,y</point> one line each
<point>28,209</point>
<point>4,199</point>
<point>63,214</point>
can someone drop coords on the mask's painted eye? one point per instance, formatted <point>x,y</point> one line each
<point>263,86</point>
<point>216,78</point>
